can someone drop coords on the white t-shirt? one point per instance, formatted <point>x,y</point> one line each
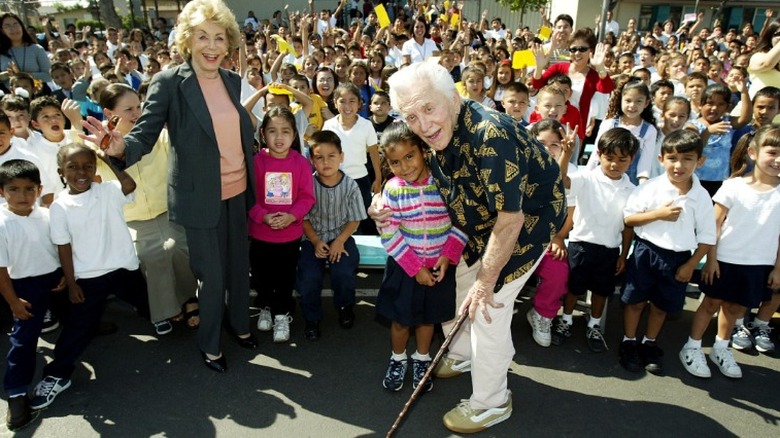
<point>354,143</point>
<point>499,34</point>
<point>18,151</point>
<point>26,249</point>
<point>749,235</point>
<point>600,200</point>
<point>46,151</point>
<point>322,25</point>
<point>93,222</point>
<point>695,225</point>
<point>417,52</point>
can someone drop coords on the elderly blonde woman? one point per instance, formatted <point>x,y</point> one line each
<point>210,176</point>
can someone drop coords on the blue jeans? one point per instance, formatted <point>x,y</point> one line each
<point>21,357</point>
<point>311,270</point>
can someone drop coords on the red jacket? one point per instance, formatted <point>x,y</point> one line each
<point>572,117</point>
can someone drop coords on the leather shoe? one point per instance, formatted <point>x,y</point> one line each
<point>250,342</point>
<point>219,365</point>
<point>346,317</point>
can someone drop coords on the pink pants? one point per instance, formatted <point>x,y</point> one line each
<point>553,284</point>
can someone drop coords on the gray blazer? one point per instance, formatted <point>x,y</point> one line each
<point>194,178</point>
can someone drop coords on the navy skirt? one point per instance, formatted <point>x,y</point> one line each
<point>403,300</point>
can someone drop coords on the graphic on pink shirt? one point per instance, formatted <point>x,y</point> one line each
<point>278,188</point>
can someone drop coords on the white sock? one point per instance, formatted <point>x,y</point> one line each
<point>418,356</point>
<point>399,356</point>
<point>758,322</point>
<point>739,322</point>
<point>593,322</point>
<point>568,319</point>
<point>720,343</point>
<point>626,338</point>
<point>646,340</point>
<point>693,343</point>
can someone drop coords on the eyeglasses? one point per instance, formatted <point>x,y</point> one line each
<point>579,49</point>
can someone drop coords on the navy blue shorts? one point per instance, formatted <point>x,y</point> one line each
<point>650,277</point>
<point>592,268</point>
<point>740,284</point>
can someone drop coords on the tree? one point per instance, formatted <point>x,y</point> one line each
<point>107,12</point>
<point>517,5</point>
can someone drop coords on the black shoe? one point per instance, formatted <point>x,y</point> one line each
<point>312,330</point>
<point>19,413</point>
<point>561,332</point>
<point>219,365</point>
<point>595,338</point>
<point>629,356</point>
<point>249,342</point>
<point>106,328</point>
<point>346,317</point>
<point>650,354</point>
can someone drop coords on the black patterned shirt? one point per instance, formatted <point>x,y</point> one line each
<point>492,164</point>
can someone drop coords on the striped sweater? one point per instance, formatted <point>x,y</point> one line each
<point>420,230</point>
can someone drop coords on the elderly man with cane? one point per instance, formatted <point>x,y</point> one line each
<point>502,189</point>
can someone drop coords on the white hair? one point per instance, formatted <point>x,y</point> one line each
<point>420,76</point>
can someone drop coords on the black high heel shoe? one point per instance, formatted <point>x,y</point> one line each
<point>249,342</point>
<point>219,365</point>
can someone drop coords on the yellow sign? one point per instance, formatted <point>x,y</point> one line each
<point>381,16</point>
<point>522,59</point>
<point>278,90</point>
<point>284,46</point>
<point>545,33</point>
<point>455,20</point>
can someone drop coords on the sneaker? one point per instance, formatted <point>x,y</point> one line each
<point>761,337</point>
<point>394,377</point>
<point>465,419</point>
<point>561,332</point>
<point>419,367</point>
<point>723,358</point>
<point>163,327</point>
<point>312,330</point>
<point>264,321</point>
<point>650,354</point>
<point>282,327</point>
<point>741,338</point>
<point>20,414</point>
<point>629,356</point>
<point>47,390</point>
<point>694,362</point>
<point>346,317</point>
<point>540,326</point>
<point>448,367</point>
<point>595,338</point>
<point>50,322</point>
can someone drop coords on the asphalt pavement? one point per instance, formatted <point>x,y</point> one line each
<point>136,384</point>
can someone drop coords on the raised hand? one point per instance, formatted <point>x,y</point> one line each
<point>597,59</point>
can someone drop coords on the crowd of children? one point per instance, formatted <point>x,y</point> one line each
<point>672,181</point>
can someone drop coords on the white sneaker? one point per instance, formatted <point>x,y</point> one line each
<point>282,327</point>
<point>264,322</point>
<point>694,362</point>
<point>541,327</point>
<point>761,334</point>
<point>742,339</point>
<point>723,358</point>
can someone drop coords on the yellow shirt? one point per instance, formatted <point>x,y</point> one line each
<point>151,178</point>
<point>315,116</point>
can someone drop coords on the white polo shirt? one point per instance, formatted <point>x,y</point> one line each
<point>695,225</point>
<point>93,222</point>
<point>26,249</point>
<point>598,216</point>
<point>49,181</point>
<point>354,142</point>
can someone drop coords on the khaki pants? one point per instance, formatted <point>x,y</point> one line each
<point>488,346</point>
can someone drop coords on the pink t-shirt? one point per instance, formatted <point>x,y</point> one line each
<point>227,128</point>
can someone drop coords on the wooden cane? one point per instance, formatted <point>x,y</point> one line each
<point>427,375</point>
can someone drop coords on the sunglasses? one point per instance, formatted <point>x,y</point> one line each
<point>579,49</point>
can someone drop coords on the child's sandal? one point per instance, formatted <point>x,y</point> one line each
<point>189,315</point>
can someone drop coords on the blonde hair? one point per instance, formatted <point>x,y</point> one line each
<point>198,12</point>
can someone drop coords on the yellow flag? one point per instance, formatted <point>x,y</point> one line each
<point>544,33</point>
<point>455,20</point>
<point>284,46</point>
<point>523,58</point>
<point>446,5</point>
<point>278,90</point>
<point>381,16</point>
